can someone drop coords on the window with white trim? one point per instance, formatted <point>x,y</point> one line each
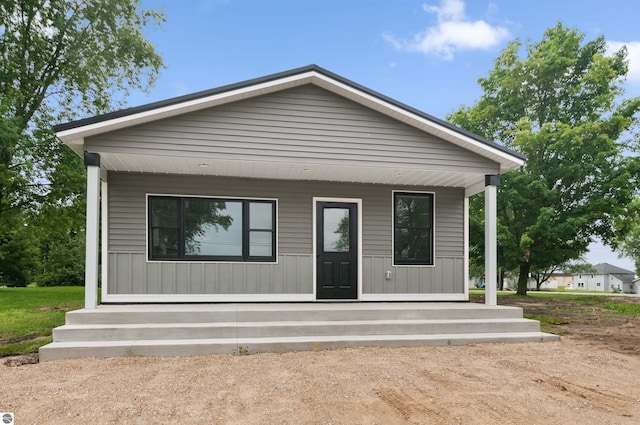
<point>413,237</point>
<point>211,229</point>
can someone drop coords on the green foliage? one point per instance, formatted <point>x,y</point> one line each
<point>556,105</point>
<point>18,256</point>
<point>628,243</point>
<point>578,267</point>
<point>61,277</point>
<point>61,60</point>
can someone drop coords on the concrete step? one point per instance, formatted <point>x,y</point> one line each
<point>192,329</point>
<point>155,331</point>
<point>217,313</point>
<point>190,347</point>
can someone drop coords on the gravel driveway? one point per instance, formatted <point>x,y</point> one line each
<point>570,381</point>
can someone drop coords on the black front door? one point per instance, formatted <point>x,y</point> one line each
<point>337,250</point>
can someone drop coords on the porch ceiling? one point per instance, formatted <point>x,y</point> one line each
<point>284,170</point>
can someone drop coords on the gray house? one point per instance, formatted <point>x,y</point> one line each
<point>301,186</point>
<point>607,278</point>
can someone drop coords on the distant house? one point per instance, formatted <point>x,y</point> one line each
<point>561,280</point>
<point>607,278</point>
<point>555,281</point>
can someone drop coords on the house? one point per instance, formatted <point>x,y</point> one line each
<point>561,280</point>
<point>607,278</point>
<point>297,187</point>
<point>555,281</point>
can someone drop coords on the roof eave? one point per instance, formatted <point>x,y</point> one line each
<point>73,132</point>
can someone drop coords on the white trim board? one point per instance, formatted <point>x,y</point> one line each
<point>213,298</point>
<point>507,161</point>
<point>205,298</point>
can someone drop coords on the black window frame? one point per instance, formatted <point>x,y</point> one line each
<point>246,230</point>
<point>431,239</point>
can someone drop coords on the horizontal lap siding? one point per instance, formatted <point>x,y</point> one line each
<point>127,209</point>
<point>129,272</point>
<point>301,124</point>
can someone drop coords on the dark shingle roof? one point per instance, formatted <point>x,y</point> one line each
<point>273,77</point>
<point>620,273</point>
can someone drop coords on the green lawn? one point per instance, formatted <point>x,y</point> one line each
<point>27,315</point>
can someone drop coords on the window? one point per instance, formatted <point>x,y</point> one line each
<point>413,228</point>
<point>185,228</point>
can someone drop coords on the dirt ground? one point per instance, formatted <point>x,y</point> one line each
<point>590,377</point>
<point>593,324</point>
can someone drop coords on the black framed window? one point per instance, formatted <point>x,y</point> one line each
<point>413,228</point>
<point>190,228</point>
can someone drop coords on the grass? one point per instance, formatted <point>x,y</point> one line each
<point>560,304</point>
<point>630,309</point>
<point>549,323</point>
<point>27,316</point>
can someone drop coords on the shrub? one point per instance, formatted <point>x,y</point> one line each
<point>64,277</point>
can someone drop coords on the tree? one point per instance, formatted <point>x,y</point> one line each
<point>61,60</point>
<point>556,105</point>
<point>579,267</point>
<point>628,244</point>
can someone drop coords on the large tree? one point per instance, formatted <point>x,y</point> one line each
<point>628,243</point>
<point>60,60</point>
<point>557,103</point>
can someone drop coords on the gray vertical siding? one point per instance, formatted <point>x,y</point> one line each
<point>446,277</point>
<point>130,273</point>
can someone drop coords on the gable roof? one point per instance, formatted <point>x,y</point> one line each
<point>73,133</point>
<point>606,268</point>
<point>618,272</point>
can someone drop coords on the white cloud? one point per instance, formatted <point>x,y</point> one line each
<point>454,32</point>
<point>633,55</point>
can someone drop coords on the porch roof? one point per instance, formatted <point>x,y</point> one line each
<point>74,133</point>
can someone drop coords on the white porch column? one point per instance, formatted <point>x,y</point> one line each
<point>490,239</point>
<point>104,225</point>
<point>92,162</point>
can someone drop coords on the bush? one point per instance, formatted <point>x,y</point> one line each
<point>63,277</point>
<point>20,284</point>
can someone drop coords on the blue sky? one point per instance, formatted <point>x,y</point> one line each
<point>427,54</point>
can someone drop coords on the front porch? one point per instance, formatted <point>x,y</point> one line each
<point>201,329</point>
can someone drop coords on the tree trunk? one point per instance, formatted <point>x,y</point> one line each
<point>501,280</point>
<point>523,278</point>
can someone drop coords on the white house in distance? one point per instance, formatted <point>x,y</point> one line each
<point>608,278</point>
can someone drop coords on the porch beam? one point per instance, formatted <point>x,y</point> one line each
<point>492,182</point>
<point>92,162</point>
